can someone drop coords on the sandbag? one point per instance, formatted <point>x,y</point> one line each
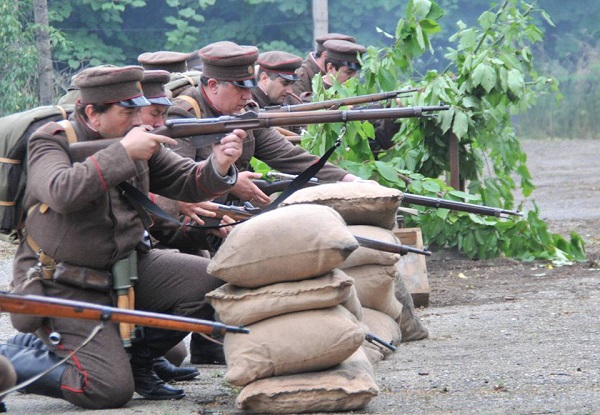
<point>384,327</point>
<point>304,341</point>
<point>345,387</point>
<point>409,322</point>
<point>358,203</point>
<point>243,306</point>
<point>366,256</point>
<point>285,244</point>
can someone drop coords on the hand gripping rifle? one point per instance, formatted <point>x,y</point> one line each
<point>334,104</point>
<point>57,307</point>
<point>282,181</point>
<point>206,131</point>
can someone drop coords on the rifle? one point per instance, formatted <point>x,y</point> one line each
<point>243,213</point>
<point>206,131</point>
<point>272,186</point>
<point>57,307</point>
<point>334,104</point>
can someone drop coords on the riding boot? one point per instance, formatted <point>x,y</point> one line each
<point>168,371</point>
<point>150,344</point>
<point>29,361</point>
<point>206,352</point>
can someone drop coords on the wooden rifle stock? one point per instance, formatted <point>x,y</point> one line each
<point>58,307</point>
<point>206,131</point>
<point>334,104</point>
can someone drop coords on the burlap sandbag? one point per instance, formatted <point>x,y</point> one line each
<point>358,203</point>
<point>372,351</point>
<point>243,306</point>
<point>345,387</point>
<point>285,244</point>
<point>375,287</point>
<point>409,322</point>
<point>352,303</point>
<point>304,341</point>
<point>384,327</point>
<point>365,256</point>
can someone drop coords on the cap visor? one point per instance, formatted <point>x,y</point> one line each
<point>355,66</point>
<point>160,101</point>
<point>289,77</point>
<point>246,83</point>
<point>134,102</point>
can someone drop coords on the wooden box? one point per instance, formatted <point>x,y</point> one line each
<point>412,267</point>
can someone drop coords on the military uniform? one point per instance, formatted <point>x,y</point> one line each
<point>164,60</point>
<point>89,223</point>
<point>310,67</point>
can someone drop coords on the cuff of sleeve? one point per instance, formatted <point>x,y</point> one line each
<point>231,176</point>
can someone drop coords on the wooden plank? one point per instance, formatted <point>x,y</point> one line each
<point>412,267</point>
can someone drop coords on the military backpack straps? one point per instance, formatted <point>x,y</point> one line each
<point>15,131</point>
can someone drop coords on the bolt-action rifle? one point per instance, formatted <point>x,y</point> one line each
<point>282,181</point>
<point>334,104</point>
<point>57,307</point>
<point>206,131</point>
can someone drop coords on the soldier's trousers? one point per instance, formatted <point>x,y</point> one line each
<point>99,375</point>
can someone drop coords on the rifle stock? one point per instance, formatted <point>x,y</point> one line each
<point>58,307</point>
<point>333,104</point>
<point>206,131</point>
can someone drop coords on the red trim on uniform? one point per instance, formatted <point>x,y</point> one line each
<point>152,197</point>
<point>77,365</point>
<point>104,186</point>
<point>205,190</point>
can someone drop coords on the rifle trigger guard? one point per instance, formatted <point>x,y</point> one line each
<point>105,315</point>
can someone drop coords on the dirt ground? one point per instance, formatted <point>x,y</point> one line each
<point>505,336</point>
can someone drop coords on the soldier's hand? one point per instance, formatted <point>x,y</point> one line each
<point>246,190</point>
<point>140,144</point>
<point>224,231</point>
<point>195,210</point>
<point>228,151</point>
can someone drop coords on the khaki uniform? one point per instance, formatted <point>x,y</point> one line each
<point>265,144</point>
<point>306,72</point>
<point>90,223</point>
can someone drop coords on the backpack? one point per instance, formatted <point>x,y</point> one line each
<point>15,131</point>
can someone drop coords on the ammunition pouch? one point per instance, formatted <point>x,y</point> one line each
<point>83,277</point>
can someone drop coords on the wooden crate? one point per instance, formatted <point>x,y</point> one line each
<point>412,267</point>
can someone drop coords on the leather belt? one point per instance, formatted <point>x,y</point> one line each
<point>48,263</point>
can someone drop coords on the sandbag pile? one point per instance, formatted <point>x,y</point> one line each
<point>303,353</point>
<point>370,211</point>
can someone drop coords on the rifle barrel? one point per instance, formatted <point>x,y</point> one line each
<point>408,198</point>
<point>389,247</point>
<point>58,307</point>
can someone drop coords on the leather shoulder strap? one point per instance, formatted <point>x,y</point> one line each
<point>69,130</point>
<point>193,103</point>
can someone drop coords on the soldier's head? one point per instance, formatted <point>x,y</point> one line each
<point>321,53</point>
<point>153,85</point>
<point>228,75</point>
<point>164,60</point>
<point>194,63</point>
<point>111,98</point>
<point>276,74</point>
<point>343,59</point>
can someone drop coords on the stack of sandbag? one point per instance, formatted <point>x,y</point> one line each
<point>303,352</point>
<point>370,211</point>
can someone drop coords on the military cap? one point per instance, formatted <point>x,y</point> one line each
<point>112,85</point>
<point>345,52</point>
<point>164,60</point>
<point>332,36</point>
<point>194,63</point>
<point>282,63</point>
<point>228,61</point>
<point>153,85</point>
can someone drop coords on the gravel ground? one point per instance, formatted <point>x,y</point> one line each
<point>505,337</point>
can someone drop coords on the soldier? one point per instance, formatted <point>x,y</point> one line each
<point>315,64</point>
<point>172,62</point>
<point>8,379</point>
<point>226,87</point>
<point>275,76</point>
<point>79,219</point>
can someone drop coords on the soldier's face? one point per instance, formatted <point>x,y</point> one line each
<point>344,74</point>
<point>278,89</point>
<point>115,122</point>
<point>229,98</point>
<point>154,115</point>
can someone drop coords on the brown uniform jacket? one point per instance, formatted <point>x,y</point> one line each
<point>265,144</point>
<point>88,221</point>
<point>306,72</point>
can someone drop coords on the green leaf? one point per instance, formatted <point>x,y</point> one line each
<point>460,126</point>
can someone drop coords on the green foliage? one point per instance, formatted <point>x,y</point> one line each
<point>490,77</point>
<point>18,77</point>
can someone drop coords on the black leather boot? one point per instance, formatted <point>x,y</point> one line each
<point>150,344</point>
<point>168,371</point>
<point>31,359</point>
<point>206,352</point>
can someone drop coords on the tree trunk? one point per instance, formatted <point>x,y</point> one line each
<point>320,11</point>
<point>42,40</point>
